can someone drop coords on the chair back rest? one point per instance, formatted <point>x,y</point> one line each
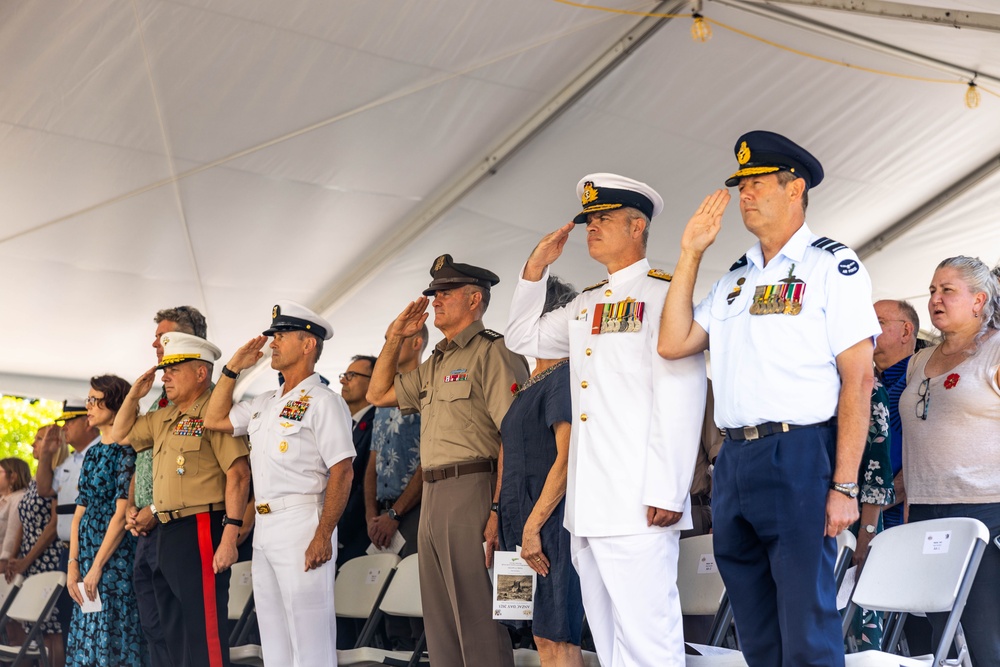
<point>360,583</point>
<point>240,588</point>
<point>846,540</point>
<point>920,566</point>
<point>8,590</point>
<point>402,598</point>
<point>37,596</point>
<point>699,583</point>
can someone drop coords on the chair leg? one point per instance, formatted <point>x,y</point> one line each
<point>418,651</point>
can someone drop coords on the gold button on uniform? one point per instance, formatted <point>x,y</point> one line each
<point>283,447</point>
<point>180,460</point>
<point>607,292</point>
<point>583,417</point>
<point>588,352</point>
<point>584,384</point>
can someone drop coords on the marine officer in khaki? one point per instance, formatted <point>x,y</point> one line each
<point>462,392</point>
<point>201,480</point>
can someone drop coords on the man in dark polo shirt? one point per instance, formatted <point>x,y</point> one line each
<point>201,481</point>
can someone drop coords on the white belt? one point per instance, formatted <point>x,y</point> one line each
<point>289,501</point>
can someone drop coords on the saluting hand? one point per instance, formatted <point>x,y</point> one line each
<point>248,355</point>
<point>546,252</point>
<point>143,384</point>
<point>704,225</point>
<point>411,319</point>
<point>54,439</point>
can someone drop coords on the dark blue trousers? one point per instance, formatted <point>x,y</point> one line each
<point>149,617</point>
<point>769,514</point>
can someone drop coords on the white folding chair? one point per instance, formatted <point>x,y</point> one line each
<point>401,598</point>
<point>359,588</point>
<point>926,566</point>
<point>8,591</point>
<point>700,586</point>
<point>241,615</point>
<point>32,606</point>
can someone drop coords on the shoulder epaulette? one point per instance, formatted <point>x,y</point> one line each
<point>831,246</point>
<point>742,261</point>
<point>659,275</point>
<point>490,335</point>
<point>595,286</point>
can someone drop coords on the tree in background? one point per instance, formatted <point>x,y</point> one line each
<point>20,418</point>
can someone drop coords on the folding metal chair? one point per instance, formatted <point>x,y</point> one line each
<point>926,566</point>
<point>32,606</point>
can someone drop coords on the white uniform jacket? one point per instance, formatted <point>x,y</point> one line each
<point>295,438</point>
<point>777,360</point>
<point>637,417</point>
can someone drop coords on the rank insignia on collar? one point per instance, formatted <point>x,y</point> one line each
<point>660,275</point>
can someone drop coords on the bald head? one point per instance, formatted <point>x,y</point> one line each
<point>900,324</point>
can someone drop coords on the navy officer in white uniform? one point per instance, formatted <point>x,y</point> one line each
<point>301,456</point>
<point>791,332</point>
<point>636,428</point>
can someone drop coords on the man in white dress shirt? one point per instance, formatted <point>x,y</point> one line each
<point>637,423</point>
<point>301,455</point>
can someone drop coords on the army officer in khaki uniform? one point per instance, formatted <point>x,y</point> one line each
<point>201,479</point>
<point>462,393</point>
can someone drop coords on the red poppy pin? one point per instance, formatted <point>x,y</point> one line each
<point>951,381</point>
<point>513,388</point>
<point>163,402</point>
<point>362,426</point>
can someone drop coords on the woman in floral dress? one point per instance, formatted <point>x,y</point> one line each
<point>875,480</point>
<point>102,552</point>
<point>40,550</point>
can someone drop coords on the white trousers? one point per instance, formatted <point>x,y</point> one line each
<point>629,585</point>
<point>298,625</point>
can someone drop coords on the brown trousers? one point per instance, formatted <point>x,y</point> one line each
<point>455,588</point>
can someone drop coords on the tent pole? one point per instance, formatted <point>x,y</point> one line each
<point>928,208</point>
<point>952,18</point>
<point>452,192</point>
<point>789,18</point>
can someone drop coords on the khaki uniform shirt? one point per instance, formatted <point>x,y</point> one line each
<point>711,443</point>
<point>462,392</point>
<point>189,461</point>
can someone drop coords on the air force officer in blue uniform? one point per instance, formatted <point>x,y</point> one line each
<point>790,328</point>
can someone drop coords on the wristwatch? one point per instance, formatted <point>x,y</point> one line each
<point>495,507</point>
<point>870,529</point>
<point>849,489</point>
<point>393,514</point>
<point>229,373</point>
<point>226,521</point>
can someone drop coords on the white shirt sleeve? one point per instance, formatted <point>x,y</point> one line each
<point>850,315</point>
<point>239,417</point>
<point>528,332</point>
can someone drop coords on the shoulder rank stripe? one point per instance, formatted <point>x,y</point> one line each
<point>829,245</point>
<point>490,335</point>
<point>595,286</point>
<point>742,261</point>
<point>659,275</point>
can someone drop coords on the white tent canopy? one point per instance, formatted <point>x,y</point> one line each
<point>226,154</point>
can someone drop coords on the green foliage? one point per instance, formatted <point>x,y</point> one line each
<point>20,418</point>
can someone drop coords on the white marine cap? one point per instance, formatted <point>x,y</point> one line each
<point>179,347</point>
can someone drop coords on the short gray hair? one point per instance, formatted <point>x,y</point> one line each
<point>187,318</point>
<point>786,177</point>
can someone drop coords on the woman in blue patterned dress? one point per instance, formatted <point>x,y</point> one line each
<point>101,551</point>
<point>40,550</point>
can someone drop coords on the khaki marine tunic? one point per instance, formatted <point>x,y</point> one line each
<point>189,461</point>
<point>462,393</point>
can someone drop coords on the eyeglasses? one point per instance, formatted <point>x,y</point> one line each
<point>93,400</point>
<point>350,375</point>
<point>924,392</point>
<point>882,322</point>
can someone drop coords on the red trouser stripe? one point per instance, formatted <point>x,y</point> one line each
<point>208,589</point>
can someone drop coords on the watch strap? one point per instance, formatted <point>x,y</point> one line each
<point>226,521</point>
<point>229,373</point>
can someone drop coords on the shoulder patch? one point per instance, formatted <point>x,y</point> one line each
<point>659,275</point>
<point>742,261</point>
<point>490,335</point>
<point>831,246</point>
<point>596,285</point>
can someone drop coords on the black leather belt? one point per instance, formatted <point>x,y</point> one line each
<point>459,469</point>
<point>387,504</point>
<point>770,428</point>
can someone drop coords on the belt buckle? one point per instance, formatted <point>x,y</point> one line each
<point>751,433</point>
<point>263,508</point>
<point>163,517</point>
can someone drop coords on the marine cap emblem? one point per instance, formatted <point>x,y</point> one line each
<point>743,155</point>
<point>275,312</point>
<point>589,193</point>
<point>439,263</point>
<point>164,339</point>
